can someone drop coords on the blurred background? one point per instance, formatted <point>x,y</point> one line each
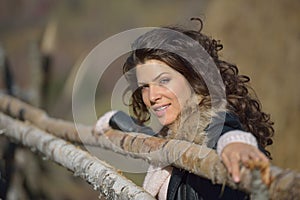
<point>261,37</point>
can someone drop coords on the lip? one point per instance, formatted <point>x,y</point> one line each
<point>160,110</point>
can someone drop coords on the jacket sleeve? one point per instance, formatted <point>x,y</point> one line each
<point>220,126</point>
<point>119,120</point>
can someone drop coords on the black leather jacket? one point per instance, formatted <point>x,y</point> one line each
<point>184,185</point>
<point>187,186</point>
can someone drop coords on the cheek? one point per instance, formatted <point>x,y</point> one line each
<point>181,93</point>
<point>185,96</point>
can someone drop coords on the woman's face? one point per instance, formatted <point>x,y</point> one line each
<point>164,90</point>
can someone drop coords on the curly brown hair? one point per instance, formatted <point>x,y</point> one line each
<point>241,98</point>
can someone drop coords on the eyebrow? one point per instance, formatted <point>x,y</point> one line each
<point>157,77</point>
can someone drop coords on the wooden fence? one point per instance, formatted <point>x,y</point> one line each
<point>52,137</point>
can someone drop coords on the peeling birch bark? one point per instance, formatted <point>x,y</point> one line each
<point>197,159</point>
<point>102,176</point>
<point>61,128</point>
<point>200,160</point>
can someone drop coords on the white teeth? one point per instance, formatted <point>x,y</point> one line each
<point>161,108</point>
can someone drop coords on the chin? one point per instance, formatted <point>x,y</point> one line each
<point>166,122</point>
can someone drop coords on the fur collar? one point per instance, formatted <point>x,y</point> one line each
<point>192,122</point>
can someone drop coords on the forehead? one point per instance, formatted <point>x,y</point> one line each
<point>149,70</point>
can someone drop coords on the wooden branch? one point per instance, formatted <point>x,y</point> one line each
<point>199,160</point>
<point>63,129</point>
<point>285,183</point>
<point>103,177</point>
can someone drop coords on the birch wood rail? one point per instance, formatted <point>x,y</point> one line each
<point>103,177</point>
<point>285,183</point>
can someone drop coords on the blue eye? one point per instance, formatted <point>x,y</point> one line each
<point>164,81</point>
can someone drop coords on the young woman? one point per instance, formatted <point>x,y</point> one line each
<point>171,76</point>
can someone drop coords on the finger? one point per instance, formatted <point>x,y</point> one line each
<point>266,177</point>
<point>245,159</point>
<point>263,160</point>
<point>262,156</point>
<point>235,167</point>
<point>254,156</point>
<point>226,162</point>
<point>259,157</point>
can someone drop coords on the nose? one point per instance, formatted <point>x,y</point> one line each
<point>154,93</point>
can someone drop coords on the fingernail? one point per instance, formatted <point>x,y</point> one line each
<point>236,179</point>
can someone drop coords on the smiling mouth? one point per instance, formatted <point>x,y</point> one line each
<point>161,110</point>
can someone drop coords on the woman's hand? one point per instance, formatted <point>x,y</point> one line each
<point>235,153</point>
